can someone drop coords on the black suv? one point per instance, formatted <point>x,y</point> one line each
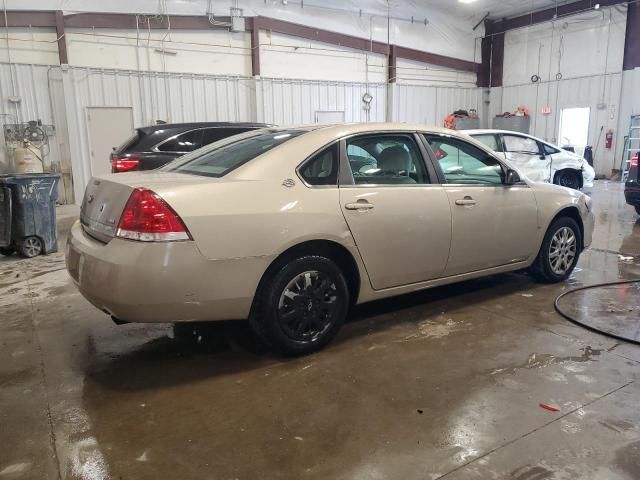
<point>632,186</point>
<point>152,147</point>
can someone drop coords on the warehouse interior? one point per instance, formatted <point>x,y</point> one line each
<point>497,376</point>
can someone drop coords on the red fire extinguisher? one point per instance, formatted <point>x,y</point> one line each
<point>608,139</point>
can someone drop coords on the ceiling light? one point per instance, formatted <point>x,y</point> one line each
<point>466,1</point>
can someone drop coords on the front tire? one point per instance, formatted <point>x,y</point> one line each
<point>301,306</point>
<point>568,178</point>
<point>31,247</point>
<point>559,252</point>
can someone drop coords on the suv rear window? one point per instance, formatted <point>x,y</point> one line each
<point>131,142</point>
<point>219,161</point>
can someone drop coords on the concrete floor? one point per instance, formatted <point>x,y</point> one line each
<point>443,384</point>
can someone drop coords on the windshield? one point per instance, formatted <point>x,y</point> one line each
<point>219,160</point>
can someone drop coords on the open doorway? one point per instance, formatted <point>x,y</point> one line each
<point>574,128</point>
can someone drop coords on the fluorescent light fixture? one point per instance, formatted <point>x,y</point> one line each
<point>466,1</point>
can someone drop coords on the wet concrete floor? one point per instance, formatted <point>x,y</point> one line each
<point>481,380</point>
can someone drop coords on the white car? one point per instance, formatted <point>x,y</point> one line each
<point>538,160</point>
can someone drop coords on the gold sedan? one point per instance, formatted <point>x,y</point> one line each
<point>289,227</point>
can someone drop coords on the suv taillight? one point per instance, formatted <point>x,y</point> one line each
<point>148,218</point>
<point>124,164</point>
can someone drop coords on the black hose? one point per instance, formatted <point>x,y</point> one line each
<point>589,327</point>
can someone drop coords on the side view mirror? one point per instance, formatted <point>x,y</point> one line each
<point>512,177</point>
<point>543,156</point>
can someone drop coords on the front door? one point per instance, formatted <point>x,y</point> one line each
<point>400,220</point>
<point>527,157</point>
<point>493,224</point>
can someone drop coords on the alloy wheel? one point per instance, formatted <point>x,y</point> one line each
<point>31,247</point>
<point>562,250</point>
<point>569,180</point>
<point>308,306</point>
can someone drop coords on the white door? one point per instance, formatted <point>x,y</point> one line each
<point>526,155</point>
<point>108,127</point>
<point>574,128</point>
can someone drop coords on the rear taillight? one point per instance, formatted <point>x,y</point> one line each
<point>124,164</point>
<point>148,218</point>
<point>634,162</point>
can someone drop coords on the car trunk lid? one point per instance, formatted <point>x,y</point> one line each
<point>106,197</point>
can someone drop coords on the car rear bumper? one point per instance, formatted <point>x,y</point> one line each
<point>632,193</point>
<point>161,282</point>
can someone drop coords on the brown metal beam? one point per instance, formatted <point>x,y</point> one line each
<point>632,38</point>
<point>548,14</point>
<point>325,36</point>
<point>392,63</point>
<point>255,46</point>
<point>435,59</point>
<point>497,59</point>
<point>127,20</point>
<point>24,18</point>
<point>62,41</point>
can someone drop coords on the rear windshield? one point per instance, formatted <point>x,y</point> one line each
<point>131,142</point>
<point>218,161</point>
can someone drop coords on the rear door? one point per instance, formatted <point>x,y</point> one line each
<point>526,154</point>
<point>399,218</point>
<point>493,224</point>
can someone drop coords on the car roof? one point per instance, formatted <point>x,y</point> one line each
<point>191,125</point>
<point>481,131</point>
<point>345,129</point>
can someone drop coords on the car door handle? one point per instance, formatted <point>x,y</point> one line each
<point>359,205</point>
<point>466,201</point>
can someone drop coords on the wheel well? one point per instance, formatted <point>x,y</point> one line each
<point>572,170</point>
<point>327,248</point>
<point>572,212</point>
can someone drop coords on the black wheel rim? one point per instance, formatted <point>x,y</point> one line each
<point>568,180</point>
<point>308,306</point>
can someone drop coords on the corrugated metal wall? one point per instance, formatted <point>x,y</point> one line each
<point>430,104</point>
<point>60,96</point>
<point>601,93</point>
<point>284,101</point>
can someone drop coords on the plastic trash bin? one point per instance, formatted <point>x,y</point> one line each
<point>28,214</point>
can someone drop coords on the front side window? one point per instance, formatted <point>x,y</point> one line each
<point>489,141</point>
<point>386,159</point>
<point>463,163</point>
<point>322,168</point>
<point>518,144</point>
<point>185,142</point>
<point>216,161</point>
<point>549,150</point>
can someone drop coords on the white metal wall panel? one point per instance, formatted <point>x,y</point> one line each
<point>284,102</point>
<point>601,93</point>
<point>431,104</point>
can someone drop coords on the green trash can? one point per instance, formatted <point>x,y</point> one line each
<point>28,214</point>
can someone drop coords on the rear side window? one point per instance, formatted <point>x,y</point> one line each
<point>489,141</point>
<point>183,143</point>
<point>218,161</point>
<point>322,168</point>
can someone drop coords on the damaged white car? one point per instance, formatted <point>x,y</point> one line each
<point>538,160</point>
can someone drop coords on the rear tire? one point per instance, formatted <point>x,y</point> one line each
<point>31,247</point>
<point>301,306</point>
<point>568,178</point>
<point>559,252</point>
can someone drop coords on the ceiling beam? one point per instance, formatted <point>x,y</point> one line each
<point>548,14</point>
<point>435,59</point>
<point>29,18</point>
<point>62,40</point>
